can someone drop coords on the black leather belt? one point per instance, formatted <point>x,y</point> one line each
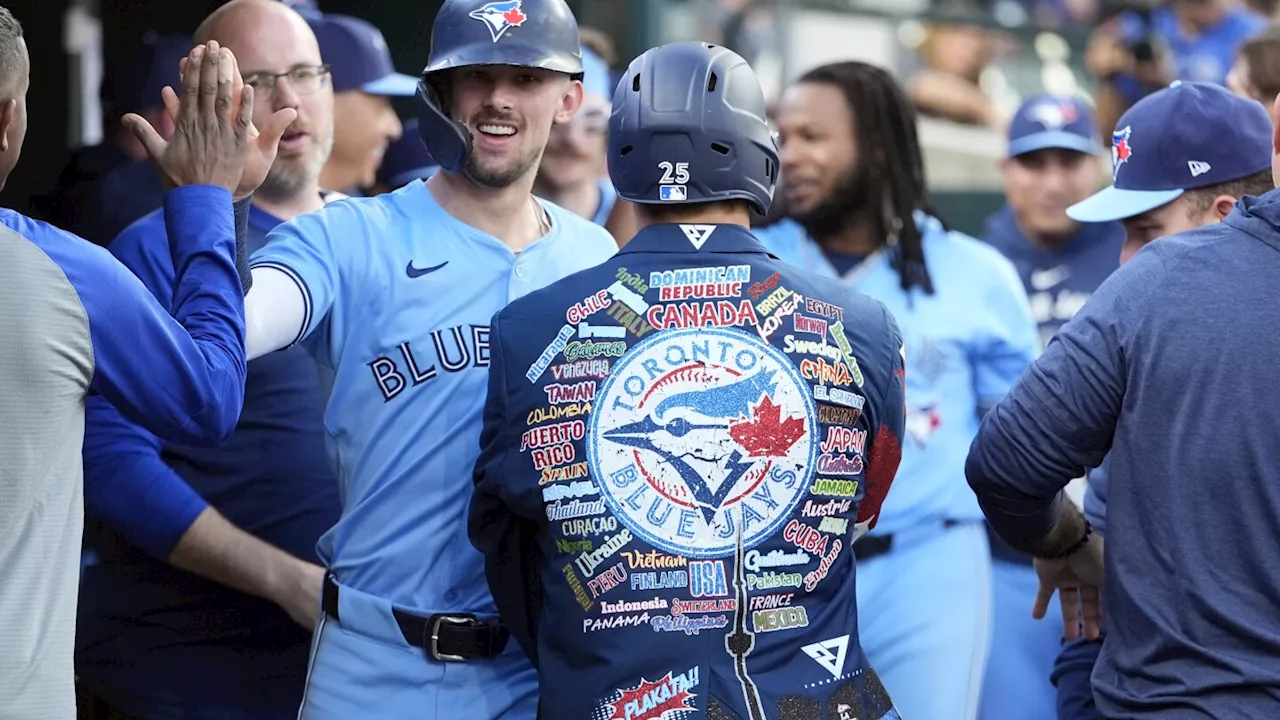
<point>870,546</point>
<point>456,637</point>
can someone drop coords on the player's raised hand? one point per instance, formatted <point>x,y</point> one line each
<point>208,141</point>
<point>263,143</point>
<point>1077,579</point>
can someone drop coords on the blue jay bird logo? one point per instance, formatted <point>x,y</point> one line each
<point>1053,114</point>
<point>1121,150</point>
<point>500,17</point>
<point>701,434</point>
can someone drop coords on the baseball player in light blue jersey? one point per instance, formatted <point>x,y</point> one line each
<point>393,295</point>
<point>855,193</point>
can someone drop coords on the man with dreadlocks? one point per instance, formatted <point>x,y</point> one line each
<point>853,181</point>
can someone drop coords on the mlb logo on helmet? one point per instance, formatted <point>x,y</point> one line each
<point>1121,151</point>
<point>500,17</point>
<point>672,193</point>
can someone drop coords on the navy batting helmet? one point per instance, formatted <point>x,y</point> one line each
<point>689,126</point>
<point>526,33</point>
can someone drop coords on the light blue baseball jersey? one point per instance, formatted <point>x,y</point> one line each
<point>399,295</point>
<point>966,346</point>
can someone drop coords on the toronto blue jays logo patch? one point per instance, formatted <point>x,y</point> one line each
<point>1121,150</point>
<point>700,434</point>
<point>500,17</point>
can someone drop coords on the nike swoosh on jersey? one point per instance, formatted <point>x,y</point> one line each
<point>414,272</point>
<point>1045,279</point>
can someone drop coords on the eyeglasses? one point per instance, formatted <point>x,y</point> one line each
<point>592,121</point>
<point>304,80</point>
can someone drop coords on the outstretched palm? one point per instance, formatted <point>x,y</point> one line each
<point>262,145</point>
<point>1077,579</point>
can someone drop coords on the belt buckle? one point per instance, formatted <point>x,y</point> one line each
<point>433,640</point>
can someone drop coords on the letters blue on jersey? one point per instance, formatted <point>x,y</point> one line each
<point>966,346</point>
<point>399,296</point>
<point>1058,282</point>
<point>680,445</point>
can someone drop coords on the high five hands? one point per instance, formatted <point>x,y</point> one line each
<point>215,141</point>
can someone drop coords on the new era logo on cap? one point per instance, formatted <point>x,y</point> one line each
<point>1186,136</point>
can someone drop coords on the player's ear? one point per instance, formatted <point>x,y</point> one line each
<point>8,110</point>
<point>1275,126</point>
<point>1222,206</point>
<point>570,102</point>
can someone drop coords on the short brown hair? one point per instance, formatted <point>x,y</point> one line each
<point>1199,199</point>
<point>1262,53</point>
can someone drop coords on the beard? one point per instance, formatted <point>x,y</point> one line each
<point>285,180</point>
<point>837,212</point>
<point>497,178</point>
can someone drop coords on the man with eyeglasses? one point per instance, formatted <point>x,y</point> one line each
<point>364,81</point>
<point>209,584</point>
<point>572,173</point>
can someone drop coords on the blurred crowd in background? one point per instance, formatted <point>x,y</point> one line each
<point>967,65</point>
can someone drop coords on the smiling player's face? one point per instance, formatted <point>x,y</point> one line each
<point>510,111</point>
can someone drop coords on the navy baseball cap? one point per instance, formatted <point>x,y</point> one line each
<point>1186,136</point>
<point>358,57</point>
<point>135,86</point>
<point>305,8</point>
<point>1049,121</point>
<point>407,158</point>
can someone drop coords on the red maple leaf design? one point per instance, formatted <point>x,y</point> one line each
<point>766,434</point>
<point>652,700</point>
<point>882,467</point>
<point>514,16</point>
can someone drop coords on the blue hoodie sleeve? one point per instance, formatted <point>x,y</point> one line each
<point>183,376</point>
<point>127,483</point>
<point>1060,418</point>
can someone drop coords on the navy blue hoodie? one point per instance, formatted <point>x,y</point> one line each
<point>1170,367</point>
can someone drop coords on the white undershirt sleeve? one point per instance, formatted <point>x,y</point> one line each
<point>274,312</point>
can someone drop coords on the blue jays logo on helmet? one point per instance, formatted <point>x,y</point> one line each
<point>1053,115</point>
<point>1121,150</point>
<point>501,16</point>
